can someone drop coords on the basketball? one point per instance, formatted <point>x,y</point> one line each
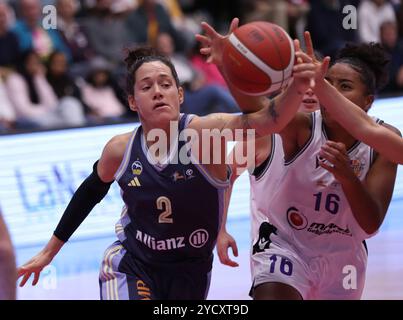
<point>258,58</point>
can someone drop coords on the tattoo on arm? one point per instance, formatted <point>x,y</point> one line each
<point>247,128</point>
<point>272,111</point>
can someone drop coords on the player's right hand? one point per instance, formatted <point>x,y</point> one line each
<point>35,266</point>
<point>213,42</point>
<point>224,241</point>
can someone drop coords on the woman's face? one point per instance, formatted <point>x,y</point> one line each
<point>310,102</point>
<point>33,64</point>
<point>156,96</point>
<point>348,82</point>
<point>58,65</point>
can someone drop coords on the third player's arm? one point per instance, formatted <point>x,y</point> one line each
<point>369,200</point>
<point>357,122</point>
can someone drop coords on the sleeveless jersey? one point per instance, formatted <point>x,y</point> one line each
<point>263,180</point>
<point>172,213</point>
<point>306,204</point>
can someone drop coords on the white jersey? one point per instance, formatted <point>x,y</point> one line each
<point>304,233</point>
<point>309,207</point>
<point>263,181</point>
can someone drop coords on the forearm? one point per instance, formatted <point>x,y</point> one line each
<point>53,247</point>
<point>277,112</point>
<point>345,112</point>
<point>366,211</point>
<point>90,192</point>
<point>227,199</point>
<point>359,124</point>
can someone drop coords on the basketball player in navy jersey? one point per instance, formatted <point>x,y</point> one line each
<point>172,213</point>
<point>330,194</point>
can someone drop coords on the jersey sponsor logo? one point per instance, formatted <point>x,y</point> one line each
<point>160,245</point>
<point>319,160</point>
<point>189,174</point>
<point>185,175</point>
<point>198,238</point>
<point>357,166</point>
<point>134,183</point>
<point>321,228</point>
<point>263,242</point>
<point>296,219</point>
<point>177,176</point>
<point>137,168</point>
<point>143,291</point>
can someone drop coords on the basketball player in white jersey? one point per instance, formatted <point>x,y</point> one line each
<point>333,193</point>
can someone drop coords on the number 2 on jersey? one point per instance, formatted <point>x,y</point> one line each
<point>163,203</point>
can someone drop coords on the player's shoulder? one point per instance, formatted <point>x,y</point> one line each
<point>116,146</point>
<point>119,141</point>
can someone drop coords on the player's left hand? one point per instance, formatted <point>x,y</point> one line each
<point>213,42</point>
<point>338,161</point>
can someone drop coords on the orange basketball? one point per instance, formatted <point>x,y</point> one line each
<point>258,58</point>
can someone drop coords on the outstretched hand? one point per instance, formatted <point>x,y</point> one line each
<point>307,70</point>
<point>213,42</point>
<point>322,66</point>
<point>224,242</point>
<point>35,266</point>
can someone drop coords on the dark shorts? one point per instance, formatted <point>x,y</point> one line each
<point>124,278</point>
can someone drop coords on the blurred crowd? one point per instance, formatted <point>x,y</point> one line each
<point>73,75</point>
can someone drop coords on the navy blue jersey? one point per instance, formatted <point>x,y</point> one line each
<point>172,214</point>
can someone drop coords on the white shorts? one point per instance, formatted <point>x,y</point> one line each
<point>332,276</point>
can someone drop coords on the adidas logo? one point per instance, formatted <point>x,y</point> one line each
<point>134,183</point>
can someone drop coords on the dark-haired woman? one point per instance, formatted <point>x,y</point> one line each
<point>172,212</point>
<point>354,118</point>
<point>34,99</point>
<point>327,194</point>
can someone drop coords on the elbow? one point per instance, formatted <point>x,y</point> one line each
<point>375,222</point>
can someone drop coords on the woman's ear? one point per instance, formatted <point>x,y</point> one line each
<point>132,103</point>
<point>181,95</point>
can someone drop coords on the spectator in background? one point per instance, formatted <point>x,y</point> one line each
<point>106,31</point>
<point>399,16</point>
<point>149,20</point>
<point>394,46</point>
<point>60,80</point>
<point>99,95</point>
<point>371,15</point>
<point>34,99</point>
<point>208,70</point>
<point>273,11</point>
<point>73,35</point>
<point>200,99</point>
<point>31,34</point>
<point>7,113</point>
<point>9,50</point>
<point>325,22</point>
<point>8,269</point>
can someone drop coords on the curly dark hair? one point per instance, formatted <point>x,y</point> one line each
<point>135,57</point>
<point>370,60</point>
